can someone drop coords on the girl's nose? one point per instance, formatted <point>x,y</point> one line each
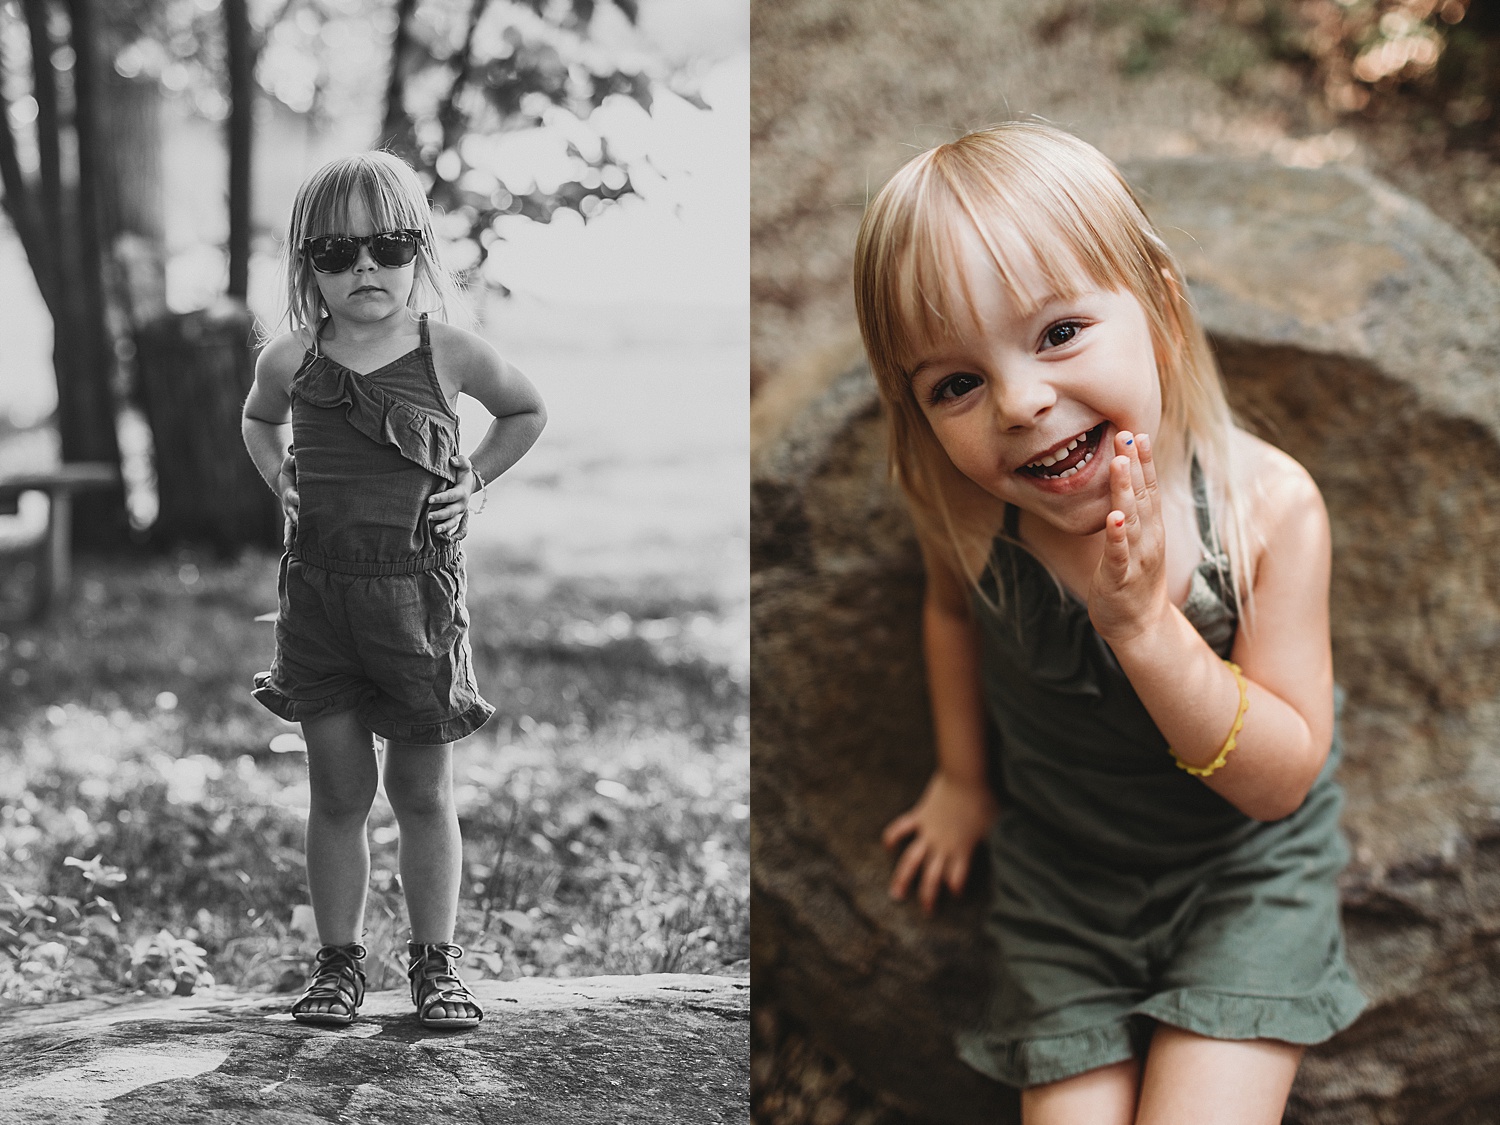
<point>364,260</point>
<point>1023,399</point>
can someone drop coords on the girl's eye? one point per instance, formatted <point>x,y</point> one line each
<point>1063,332</point>
<point>954,386</point>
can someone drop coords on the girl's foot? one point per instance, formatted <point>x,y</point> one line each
<point>441,998</point>
<point>337,988</point>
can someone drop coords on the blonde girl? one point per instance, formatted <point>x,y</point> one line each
<point>372,634</point>
<point>1127,646</point>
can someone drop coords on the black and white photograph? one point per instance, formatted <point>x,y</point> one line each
<point>374,605</point>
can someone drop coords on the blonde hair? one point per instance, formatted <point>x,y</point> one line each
<point>395,200</point>
<point>1033,194</point>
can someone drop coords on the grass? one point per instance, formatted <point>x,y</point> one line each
<point>150,837</point>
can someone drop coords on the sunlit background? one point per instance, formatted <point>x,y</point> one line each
<point>593,181</point>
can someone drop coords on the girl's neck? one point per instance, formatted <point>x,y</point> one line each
<point>365,335</point>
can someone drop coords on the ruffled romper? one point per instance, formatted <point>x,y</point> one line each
<point>1125,890</point>
<point>372,616</point>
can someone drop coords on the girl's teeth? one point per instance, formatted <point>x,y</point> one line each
<point>1054,458</point>
<point>1066,473</point>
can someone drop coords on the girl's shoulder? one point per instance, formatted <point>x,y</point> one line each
<point>281,357</point>
<point>1284,500</point>
<point>465,358</point>
<point>1277,479</point>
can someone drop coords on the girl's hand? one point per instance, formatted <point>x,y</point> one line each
<point>944,825</point>
<point>286,486</point>
<point>1129,590</point>
<point>448,510</point>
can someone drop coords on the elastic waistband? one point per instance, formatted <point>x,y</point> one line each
<point>377,567</point>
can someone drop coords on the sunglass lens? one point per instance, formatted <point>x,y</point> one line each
<point>393,248</point>
<point>333,254</point>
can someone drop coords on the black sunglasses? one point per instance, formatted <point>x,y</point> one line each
<point>334,253</point>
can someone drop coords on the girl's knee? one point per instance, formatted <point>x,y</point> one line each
<point>347,798</point>
<point>420,801</point>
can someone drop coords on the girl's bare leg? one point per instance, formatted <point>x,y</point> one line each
<point>1193,1080</point>
<point>419,784</point>
<point>342,778</point>
<point>1105,1096</point>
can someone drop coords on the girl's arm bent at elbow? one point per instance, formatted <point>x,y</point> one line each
<point>1284,653</point>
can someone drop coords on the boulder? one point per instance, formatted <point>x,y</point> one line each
<point>1361,334</point>
<point>658,1048</point>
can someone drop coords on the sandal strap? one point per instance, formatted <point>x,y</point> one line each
<point>337,976</point>
<point>434,976</point>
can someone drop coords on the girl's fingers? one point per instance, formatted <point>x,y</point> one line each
<point>1148,463</point>
<point>907,867</point>
<point>932,883</point>
<point>1122,495</point>
<point>1117,545</point>
<point>1132,452</point>
<point>898,830</point>
<point>958,874</point>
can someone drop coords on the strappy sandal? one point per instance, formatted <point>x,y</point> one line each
<point>434,982</point>
<point>337,977</point>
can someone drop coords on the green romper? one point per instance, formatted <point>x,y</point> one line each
<point>1125,890</point>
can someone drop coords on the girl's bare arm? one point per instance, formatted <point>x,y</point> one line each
<point>266,422</point>
<point>1284,652</point>
<point>478,371</point>
<point>957,807</point>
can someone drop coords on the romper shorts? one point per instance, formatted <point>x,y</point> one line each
<point>390,645</point>
<point>1090,957</point>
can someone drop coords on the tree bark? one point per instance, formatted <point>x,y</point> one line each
<point>85,355</point>
<point>396,131</point>
<point>241,131</point>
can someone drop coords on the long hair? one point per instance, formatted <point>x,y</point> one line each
<point>394,199</point>
<point>1032,193</point>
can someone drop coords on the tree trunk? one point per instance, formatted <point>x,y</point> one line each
<point>241,130</point>
<point>87,429</point>
<point>196,370</point>
<point>396,132</point>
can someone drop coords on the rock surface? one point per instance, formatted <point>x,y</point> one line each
<point>659,1048</point>
<point>1361,334</point>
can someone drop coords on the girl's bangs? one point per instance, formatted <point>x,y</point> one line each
<point>388,204</point>
<point>932,293</point>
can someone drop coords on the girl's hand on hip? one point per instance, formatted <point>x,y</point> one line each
<point>944,825</point>
<point>448,510</point>
<point>1129,589</point>
<point>286,486</point>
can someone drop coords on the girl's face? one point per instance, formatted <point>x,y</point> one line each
<point>367,292</point>
<point>1026,398</point>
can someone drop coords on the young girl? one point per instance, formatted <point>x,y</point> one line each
<point>372,635</point>
<point>1131,593</point>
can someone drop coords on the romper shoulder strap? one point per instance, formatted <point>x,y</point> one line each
<point>426,341</point>
<point>1200,506</point>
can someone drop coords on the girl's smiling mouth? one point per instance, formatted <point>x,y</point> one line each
<point>1068,459</point>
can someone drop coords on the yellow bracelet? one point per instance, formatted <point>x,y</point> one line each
<point>1234,732</point>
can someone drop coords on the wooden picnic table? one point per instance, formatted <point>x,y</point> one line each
<point>54,573</point>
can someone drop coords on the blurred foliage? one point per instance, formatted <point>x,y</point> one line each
<point>1438,59</point>
<point>151,816</point>
<point>491,100</point>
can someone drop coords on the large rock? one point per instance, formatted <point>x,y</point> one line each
<point>661,1048</point>
<point>1361,334</point>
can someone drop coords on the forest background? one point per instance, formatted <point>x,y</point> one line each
<point>590,162</point>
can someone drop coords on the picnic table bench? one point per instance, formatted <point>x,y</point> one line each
<point>53,547</point>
